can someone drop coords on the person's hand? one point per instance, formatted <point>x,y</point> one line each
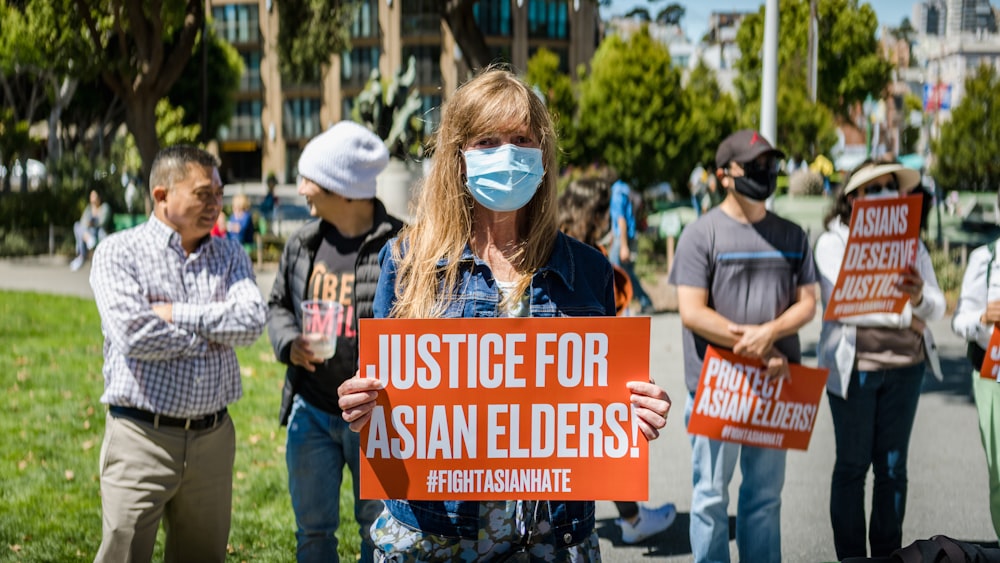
<point>357,399</point>
<point>300,355</point>
<point>755,340</point>
<point>912,284</point>
<point>777,365</point>
<point>624,254</point>
<point>165,311</point>
<point>992,314</point>
<point>651,405</point>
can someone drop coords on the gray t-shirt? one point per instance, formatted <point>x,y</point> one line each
<point>752,273</point>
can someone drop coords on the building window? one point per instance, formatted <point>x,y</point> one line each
<point>237,23</point>
<point>365,20</point>
<point>356,66</point>
<point>420,17</point>
<point>250,81</point>
<point>246,122</point>
<point>428,63</point>
<point>346,107</point>
<point>493,17</point>
<point>301,118</point>
<point>548,19</point>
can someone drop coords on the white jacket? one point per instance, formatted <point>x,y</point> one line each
<point>974,296</point>
<point>838,339</point>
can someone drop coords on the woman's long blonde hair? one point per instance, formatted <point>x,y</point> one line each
<point>429,249</point>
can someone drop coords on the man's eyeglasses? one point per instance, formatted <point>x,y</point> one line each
<point>875,189</point>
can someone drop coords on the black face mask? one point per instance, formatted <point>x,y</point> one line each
<point>758,182</point>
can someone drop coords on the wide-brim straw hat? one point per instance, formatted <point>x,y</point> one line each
<point>907,178</point>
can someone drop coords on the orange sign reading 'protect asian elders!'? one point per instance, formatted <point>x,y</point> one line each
<point>737,402</point>
<point>505,408</point>
<point>883,240</point>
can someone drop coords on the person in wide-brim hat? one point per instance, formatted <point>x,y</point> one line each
<point>906,179</point>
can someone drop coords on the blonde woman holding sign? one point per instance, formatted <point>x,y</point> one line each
<point>484,243</point>
<point>876,364</point>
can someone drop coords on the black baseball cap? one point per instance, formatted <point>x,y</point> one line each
<point>743,146</point>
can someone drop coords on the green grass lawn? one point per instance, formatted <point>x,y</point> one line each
<point>53,424</point>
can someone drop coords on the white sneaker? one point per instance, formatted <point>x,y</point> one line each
<point>76,264</point>
<point>651,522</point>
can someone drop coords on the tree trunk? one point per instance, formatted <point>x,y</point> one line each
<point>140,116</point>
<point>62,95</point>
<point>458,15</point>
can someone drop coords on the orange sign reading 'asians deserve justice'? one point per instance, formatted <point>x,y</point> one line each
<point>505,408</point>
<point>883,240</point>
<point>737,402</point>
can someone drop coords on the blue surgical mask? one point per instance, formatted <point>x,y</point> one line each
<point>504,178</point>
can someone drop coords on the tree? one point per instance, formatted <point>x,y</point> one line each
<point>711,116</point>
<point>967,148</point>
<point>671,15</point>
<point>560,98</point>
<point>225,67</point>
<point>143,47</point>
<point>848,67</point>
<point>40,42</point>
<point>630,109</point>
<point>310,32</point>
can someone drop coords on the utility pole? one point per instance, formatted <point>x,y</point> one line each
<point>813,49</point>
<point>769,83</point>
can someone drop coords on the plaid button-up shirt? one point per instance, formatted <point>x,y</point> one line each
<point>186,368</point>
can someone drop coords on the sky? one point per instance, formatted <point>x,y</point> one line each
<point>695,22</point>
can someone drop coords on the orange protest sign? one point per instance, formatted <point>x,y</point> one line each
<point>505,408</point>
<point>991,362</point>
<point>883,241</point>
<point>736,402</point>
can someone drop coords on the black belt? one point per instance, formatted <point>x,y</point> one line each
<point>157,420</point>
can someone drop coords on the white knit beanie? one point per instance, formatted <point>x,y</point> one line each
<point>345,159</point>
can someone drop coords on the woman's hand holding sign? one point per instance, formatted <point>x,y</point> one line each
<point>911,284</point>
<point>651,404</point>
<point>357,399</point>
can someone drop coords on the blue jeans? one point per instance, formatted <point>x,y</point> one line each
<point>637,292</point>
<point>319,445</point>
<point>872,428</point>
<point>758,512</point>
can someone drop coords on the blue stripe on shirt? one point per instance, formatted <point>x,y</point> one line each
<point>759,255</point>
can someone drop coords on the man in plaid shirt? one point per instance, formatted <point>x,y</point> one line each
<point>174,301</point>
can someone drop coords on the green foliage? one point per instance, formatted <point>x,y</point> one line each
<point>54,426</point>
<point>711,115</point>
<point>969,142</point>
<point>224,67</point>
<point>848,65</point>
<point>560,98</point>
<point>311,31</point>
<point>630,109</point>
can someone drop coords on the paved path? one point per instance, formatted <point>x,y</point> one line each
<point>948,490</point>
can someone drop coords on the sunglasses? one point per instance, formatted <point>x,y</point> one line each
<point>875,189</point>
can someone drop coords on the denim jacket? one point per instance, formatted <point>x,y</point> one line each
<point>576,281</point>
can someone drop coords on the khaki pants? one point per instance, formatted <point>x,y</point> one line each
<point>183,477</point>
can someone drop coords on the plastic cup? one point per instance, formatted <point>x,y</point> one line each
<point>320,320</point>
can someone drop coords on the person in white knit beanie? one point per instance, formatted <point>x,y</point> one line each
<point>335,259</point>
<point>345,159</point>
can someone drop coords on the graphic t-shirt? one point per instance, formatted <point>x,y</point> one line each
<point>752,273</point>
<point>332,279</point>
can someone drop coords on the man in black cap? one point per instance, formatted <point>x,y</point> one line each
<point>745,282</point>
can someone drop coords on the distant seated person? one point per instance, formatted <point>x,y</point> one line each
<point>93,226</point>
<point>240,223</point>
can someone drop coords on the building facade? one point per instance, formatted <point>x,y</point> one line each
<point>275,117</point>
